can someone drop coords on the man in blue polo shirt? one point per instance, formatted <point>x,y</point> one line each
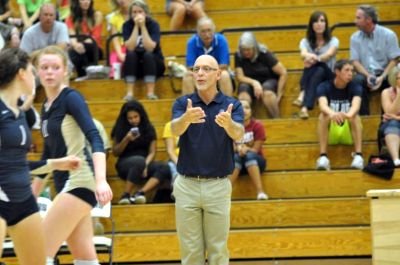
<point>207,122</point>
<point>206,41</point>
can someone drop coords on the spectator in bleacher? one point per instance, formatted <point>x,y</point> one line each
<point>318,51</point>
<point>390,127</point>
<point>5,11</point>
<point>207,41</point>
<point>9,26</point>
<point>260,74</point>
<point>66,126</point>
<point>135,145</point>
<point>10,35</point>
<point>374,50</point>
<point>180,9</point>
<point>339,101</point>
<point>5,14</point>
<point>116,22</point>
<point>64,9</point>
<point>46,32</point>
<point>30,10</point>
<point>144,58</point>
<point>249,156</point>
<point>84,21</point>
<point>207,122</point>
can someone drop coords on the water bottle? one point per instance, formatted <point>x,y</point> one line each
<point>46,193</point>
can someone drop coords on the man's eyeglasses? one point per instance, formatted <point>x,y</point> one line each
<point>205,69</point>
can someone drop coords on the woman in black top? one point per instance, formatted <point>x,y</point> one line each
<point>260,74</point>
<point>144,58</point>
<point>134,143</point>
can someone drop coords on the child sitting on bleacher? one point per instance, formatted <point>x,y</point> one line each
<point>390,127</point>
<point>249,157</point>
<point>339,101</point>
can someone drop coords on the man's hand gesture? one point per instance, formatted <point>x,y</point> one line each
<point>224,118</point>
<point>194,114</point>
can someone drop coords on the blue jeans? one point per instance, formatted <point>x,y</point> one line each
<point>251,158</point>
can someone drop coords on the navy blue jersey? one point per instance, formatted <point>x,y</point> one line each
<point>15,141</point>
<point>67,129</point>
<point>339,100</point>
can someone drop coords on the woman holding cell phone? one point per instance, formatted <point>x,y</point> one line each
<point>134,143</point>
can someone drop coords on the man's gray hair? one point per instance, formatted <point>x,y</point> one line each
<point>370,12</point>
<point>205,20</point>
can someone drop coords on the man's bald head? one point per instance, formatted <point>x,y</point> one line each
<point>206,60</point>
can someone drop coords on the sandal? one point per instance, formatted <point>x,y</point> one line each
<point>297,102</point>
<point>303,115</point>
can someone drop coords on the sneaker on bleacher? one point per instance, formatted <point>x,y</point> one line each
<point>262,196</point>
<point>125,199</point>
<point>358,162</point>
<point>139,198</point>
<point>323,163</point>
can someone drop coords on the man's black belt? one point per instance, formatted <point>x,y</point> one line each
<point>204,177</point>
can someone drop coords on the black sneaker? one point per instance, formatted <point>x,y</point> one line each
<point>125,199</point>
<point>139,197</point>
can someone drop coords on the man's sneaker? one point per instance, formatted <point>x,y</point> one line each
<point>139,198</point>
<point>125,199</point>
<point>262,196</point>
<point>358,162</point>
<point>323,163</point>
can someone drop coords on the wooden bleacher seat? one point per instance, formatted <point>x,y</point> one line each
<point>159,111</point>
<point>263,14</point>
<point>279,131</point>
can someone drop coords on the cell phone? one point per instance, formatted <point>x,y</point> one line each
<point>135,131</point>
<point>372,80</point>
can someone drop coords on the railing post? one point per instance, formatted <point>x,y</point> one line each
<point>385,226</point>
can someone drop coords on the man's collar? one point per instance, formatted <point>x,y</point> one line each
<point>371,34</point>
<point>217,99</point>
<point>199,42</point>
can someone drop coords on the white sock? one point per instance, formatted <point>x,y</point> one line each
<point>86,262</point>
<point>49,261</point>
